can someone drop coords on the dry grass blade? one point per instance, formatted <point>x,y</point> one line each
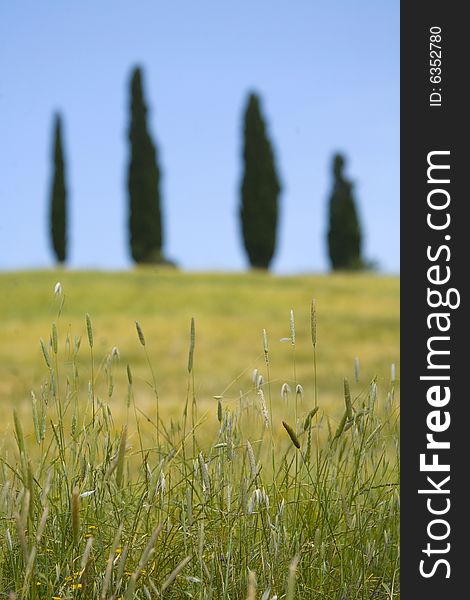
<point>142,563</point>
<point>42,524</point>
<point>120,457</point>
<point>109,564</point>
<point>86,563</point>
<point>21,520</point>
<point>291,579</point>
<point>252,585</point>
<point>174,574</point>
<point>347,400</point>
<point>75,515</point>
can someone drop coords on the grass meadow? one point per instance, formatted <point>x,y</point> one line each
<point>236,442</point>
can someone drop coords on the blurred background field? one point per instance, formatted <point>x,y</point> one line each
<point>358,316</point>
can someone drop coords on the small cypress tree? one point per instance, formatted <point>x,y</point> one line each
<point>58,198</point>
<point>344,234</point>
<point>145,227</point>
<point>260,189</point>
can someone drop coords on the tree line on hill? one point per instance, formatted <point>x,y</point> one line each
<point>259,194</point>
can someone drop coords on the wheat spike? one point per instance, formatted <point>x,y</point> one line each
<point>89,329</point>
<point>313,322</point>
<point>192,343</point>
<point>140,333</point>
<point>292,434</point>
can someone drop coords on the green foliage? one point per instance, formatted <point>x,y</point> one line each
<point>145,221</point>
<point>260,189</point>
<point>344,234</point>
<point>58,198</point>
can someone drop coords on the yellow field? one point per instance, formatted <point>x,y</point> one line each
<point>358,316</point>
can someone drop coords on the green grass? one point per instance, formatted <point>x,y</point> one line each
<point>139,483</point>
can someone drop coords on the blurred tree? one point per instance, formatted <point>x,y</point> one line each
<point>344,234</point>
<point>58,198</point>
<point>260,189</point>
<point>145,227</point>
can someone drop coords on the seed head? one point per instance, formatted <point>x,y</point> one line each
<point>89,330</point>
<point>347,400</point>
<point>292,434</point>
<point>45,353</point>
<point>309,418</point>
<point>251,459</point>
<point>292,327</point>
<point>206,484</point>
<point>264,409</point>
<point>285,391</point>
<point>54,338</point>
<point>140,333</point>
<point>265,347</point>
<point>192,343</point>
<point>313,322</point>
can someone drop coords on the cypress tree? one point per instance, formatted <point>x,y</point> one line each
<point>58,198</point>
<point>344,234</point>
<point>145,227</point>
<point>260,189</point>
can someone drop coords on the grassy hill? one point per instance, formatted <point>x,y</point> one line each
<point>358,316</point>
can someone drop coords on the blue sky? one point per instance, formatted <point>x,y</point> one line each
<point>328,75</point>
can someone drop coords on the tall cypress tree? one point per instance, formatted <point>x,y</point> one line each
<point>260,189</point>
<point>344,234</point>
<point>58,198</point>
<point>145,227</point>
